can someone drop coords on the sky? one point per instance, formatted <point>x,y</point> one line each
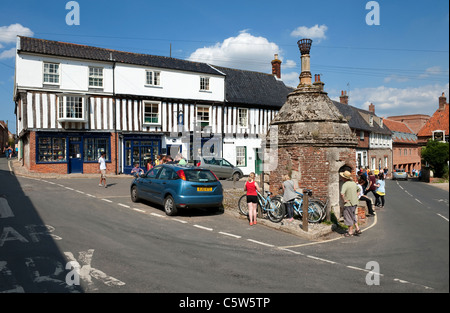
<point>392,53</point>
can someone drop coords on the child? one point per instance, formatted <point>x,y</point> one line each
<point>136,170</point>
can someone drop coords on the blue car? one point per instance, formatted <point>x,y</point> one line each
<point>178,187</point>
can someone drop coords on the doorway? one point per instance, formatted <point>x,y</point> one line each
<point>75,153</point>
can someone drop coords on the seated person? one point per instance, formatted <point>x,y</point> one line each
<point>137,170</point>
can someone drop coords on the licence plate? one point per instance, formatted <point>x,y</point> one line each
<point>204,188</point>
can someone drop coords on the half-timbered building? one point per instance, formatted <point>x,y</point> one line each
<point>75,101</point>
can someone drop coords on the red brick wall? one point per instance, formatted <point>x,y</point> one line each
<point>316,168</point>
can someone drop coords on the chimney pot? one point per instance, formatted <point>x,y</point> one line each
<point>343,98</point>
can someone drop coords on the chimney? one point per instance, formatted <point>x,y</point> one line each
<point>276,67</point>
<point>343,98</point>
<point>372,108</point>
<point>305,46</point>
<point>442,102</point>
<point>318,82</point>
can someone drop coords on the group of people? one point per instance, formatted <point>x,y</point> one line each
<point>8,151</point>
<point>160,159</point>
<point>351,192</point>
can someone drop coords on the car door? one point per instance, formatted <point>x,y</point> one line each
<point>160,184</point>
<point>147,183</point>
<point>226,168</point>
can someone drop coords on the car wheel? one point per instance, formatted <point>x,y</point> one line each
<point>236,176</point>
<point>169,206</point>
<point>134,194</point>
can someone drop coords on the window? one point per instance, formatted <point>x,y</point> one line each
<point>51,149</point>
<point>51,73</point>
<point>96,77</point>
<point>151,112</point>
<point>204,83</point>
<point>71,108</point>
<point>361,135</point>
<point>94,147</point>
<point>243,117</point>
<point>371,120</point>
<point>202,116</point>
<point>241,156</point>
<point>153,78</point>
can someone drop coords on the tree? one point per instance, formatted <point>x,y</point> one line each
<point>436,154</point>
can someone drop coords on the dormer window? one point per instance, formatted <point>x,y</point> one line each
<point>72,109</point>
<point>371,120</point>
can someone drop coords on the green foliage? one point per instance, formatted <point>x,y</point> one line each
<point>436,154</point>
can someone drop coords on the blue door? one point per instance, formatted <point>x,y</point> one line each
<point>75,156</point>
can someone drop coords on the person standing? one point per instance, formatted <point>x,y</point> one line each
<point>102,162</point>
<point>349,193</point>
<point>251,186</point>
<point>380,192</point>
<point>289,195</point>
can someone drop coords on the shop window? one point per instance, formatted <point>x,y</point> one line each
<point>51,149</point>
<point>94,147</point>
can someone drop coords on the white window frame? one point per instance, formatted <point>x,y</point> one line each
<point>153,104</point>
<point>241,154</point>
<point>155,79</point>
<point>199,121</point>
<point>370,120</point>
<point>63,109</point>
<point>246,123</point>
<point>205,83</point>
<point>57,74</point>
<point>96,76</point>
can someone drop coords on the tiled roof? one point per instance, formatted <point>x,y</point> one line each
<point>439,121</point>
<point>397,126</point>
<point>71,50</point>
<point>401,133</point>
<point>254,88</point>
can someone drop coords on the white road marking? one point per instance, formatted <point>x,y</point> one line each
<point>124,205</point>
<point>107,200</point>
<point>178,220</point>
<point>156,214</point>
<point>418,200</point>
<point>82,192</point>
<point>231,235</point>
<point>292,251</point>
<point>69,188</point>
<point>139,210</point>
<point>203,227</point>
<point>443,217</point>
<point>320,259</point>
<point>260,243</point>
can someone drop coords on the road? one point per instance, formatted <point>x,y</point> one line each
<point>122,247</point>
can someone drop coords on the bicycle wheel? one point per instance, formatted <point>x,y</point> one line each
<point>322,208</point>
<point>242,204</point>
<point>314,212</point>
<point>277,210</point>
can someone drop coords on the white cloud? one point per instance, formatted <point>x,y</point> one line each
<point>291,79</point>
<point>7,54</point>
<point>432,72</point>
<point>314,32</point>
<point>9,33</point>
<point>399,101</point>
<point>244,51</point>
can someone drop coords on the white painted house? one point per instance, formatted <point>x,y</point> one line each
<point>74,102</point>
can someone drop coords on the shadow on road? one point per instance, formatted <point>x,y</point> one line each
<point>30,260</point>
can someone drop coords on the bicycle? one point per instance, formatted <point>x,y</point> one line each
<point>272,206</point>
<point>316,208</point>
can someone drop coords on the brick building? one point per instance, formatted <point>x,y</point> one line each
<point>437,127</point>
<point>405,148</point>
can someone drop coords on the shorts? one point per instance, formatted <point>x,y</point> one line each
<point>349,215</point>
<point>103,173</point>
<point>252,199</point>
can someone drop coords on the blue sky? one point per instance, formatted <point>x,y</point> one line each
<point>400,65</point>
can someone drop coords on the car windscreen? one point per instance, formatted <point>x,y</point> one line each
<point>201,176</point>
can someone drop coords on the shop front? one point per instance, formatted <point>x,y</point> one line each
<point>140,150</point>
<point>79,152</point>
